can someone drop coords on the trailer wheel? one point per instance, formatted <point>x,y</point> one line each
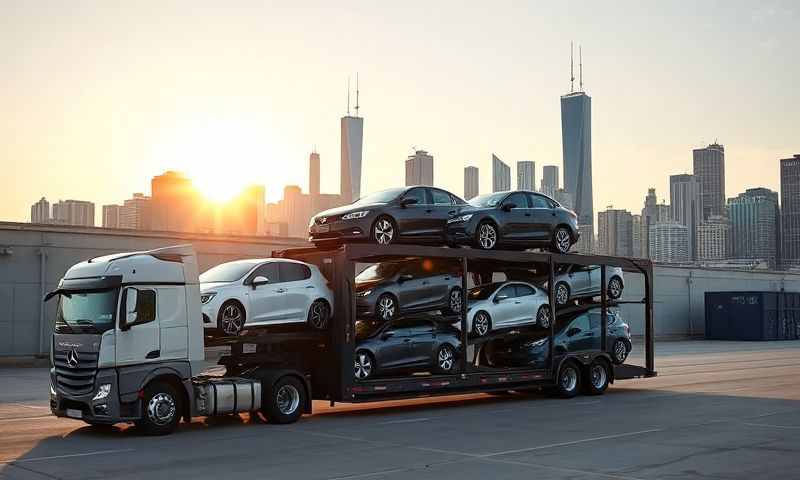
<point>285,400</point>
<point>597,383</point>
<point>569,380</point>
<point>161,409</point>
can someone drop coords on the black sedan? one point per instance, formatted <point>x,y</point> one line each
<point>408,345</point>
<point>409,214</point>
<point>518,219</point>
<point>386,289</point>
<point>575,332</point>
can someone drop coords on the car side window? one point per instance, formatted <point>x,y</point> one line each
<point>594,322</point>
<point>519,199</point>
<point>538,201</point>
<point>418,193</point>
<point>440,197</point>
<point>524,290</point>
<point>508,291</point>
<point>422,327</point>
<point>268,270</point>
<point>457,200</point>
<point>581,323</point>
<point>293,272</point>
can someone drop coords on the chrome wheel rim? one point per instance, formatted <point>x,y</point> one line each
<point>386,308</point>
<point>161,408</point>
<point>384,232</point>
<point>363,365</point>
<point>481,324</point>
<point>562,294</point>
<point>455,300</point>
<point>287,399</point>
<point>445,359</point>
<point>232,320</point>
<point>598,377</point>
<point>614,288</point>
<point>569,379</point>
<point>487,236</point>
<point>620,351</point>
<point>563,240</point>
<point>543,317</point>
<point>319,315</point>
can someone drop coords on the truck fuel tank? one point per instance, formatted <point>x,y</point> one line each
<point>219,396</point>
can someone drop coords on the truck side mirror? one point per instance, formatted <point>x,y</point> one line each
<point>130,297</point>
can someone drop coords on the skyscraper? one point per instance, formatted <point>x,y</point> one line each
<point>351,143</point>
<point>135,213</point>
<point>651,214</point>
<point>684,199</point>
<point>313,173</point>
<point>550,183</point>
<point>111,216</point>
<point>636,235</point>
<point>471,188</point>
<point>668,242</point>
<point>176,205</point>
<point>709,168</point>
<point>40,211</point>
<point>74,212</point>
<point>501,175</point>
<point>576,147</point>
<point>615,232</point>
<point>713,238</point>
<point>755,225</point>
<point>419,169</point>
<point>790,205</point>
<point>526,175</point>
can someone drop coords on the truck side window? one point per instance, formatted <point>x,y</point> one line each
<point>146,306</point>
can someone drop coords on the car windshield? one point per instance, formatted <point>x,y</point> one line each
<point>379,271</point>
<point>384,196</point>
<point>227,272</point>
<point>86,312</point>
<point>488,200</point>
<point>367,328</point>
<point>484,291</point>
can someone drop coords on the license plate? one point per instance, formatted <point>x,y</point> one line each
<point>72,413</point>
<point>323,228</point>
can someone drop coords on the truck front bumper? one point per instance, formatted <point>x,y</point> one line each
<point>87,407</point>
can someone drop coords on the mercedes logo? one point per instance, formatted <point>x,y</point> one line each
<point>72,358</point>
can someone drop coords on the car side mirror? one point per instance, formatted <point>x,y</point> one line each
<point>130,297</point>
<point>408,201</point>
<point>500,298</point>
<point>405,277</point>
<point>387,335</point>
<point>573,331</point>
<point>508,206</point>
<point>259,280</point>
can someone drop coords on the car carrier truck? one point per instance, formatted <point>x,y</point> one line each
<point>128,343</point>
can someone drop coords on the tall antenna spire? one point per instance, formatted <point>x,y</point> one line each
<point>356,94</point>
<point>580,67</point>
<point>571,72</point>
<point>348,96</point>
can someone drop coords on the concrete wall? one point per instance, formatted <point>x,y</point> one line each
<point>42,251</point>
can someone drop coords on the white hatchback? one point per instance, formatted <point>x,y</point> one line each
<point>506,304</point>
<point>266,291</point>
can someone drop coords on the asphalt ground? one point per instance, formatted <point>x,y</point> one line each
<point>717,410</point>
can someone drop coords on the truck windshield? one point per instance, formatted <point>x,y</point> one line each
<point>86,312</point>
<point>228,272</point>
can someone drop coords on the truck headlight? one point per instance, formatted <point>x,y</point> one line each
<point>206,297</point>
<point>355,215</point>
<point>460,218</point>
<point>103,391</point>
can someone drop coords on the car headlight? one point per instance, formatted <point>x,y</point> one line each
<point>460,218</point>
<point>364,293</point>
<point>206,297</point>
<point>355,215</point>
<point>537,343</point>
<point>103,391</point>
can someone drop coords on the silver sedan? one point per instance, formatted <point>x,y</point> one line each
<point>583,281</point>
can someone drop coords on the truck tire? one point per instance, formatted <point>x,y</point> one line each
<point>161,409</point>
<point>597,378</point>
<point>284,401</point>
<point>568,382</point>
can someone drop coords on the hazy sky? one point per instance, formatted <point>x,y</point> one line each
<point>97,97</point>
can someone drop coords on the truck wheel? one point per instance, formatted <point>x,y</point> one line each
<point>597,383</point>
<point>285,401</point>
<point>161,409</point>
<point>569,380</point>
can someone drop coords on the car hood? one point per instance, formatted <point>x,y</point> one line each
<point>208,286</point>
<point>348,209</point>
<point>467,209</point>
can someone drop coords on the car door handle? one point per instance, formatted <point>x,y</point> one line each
<point>280,290</point>
<point>429,210</point>
<point>309,286</point>
<point>527,214</point>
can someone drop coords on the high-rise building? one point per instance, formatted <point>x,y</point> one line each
<point>419,169</point>
<point>526,175</point>
<point>668,242</point>
<point>351,143</point>
<point>652,213</point>
<point>73,212</point>
<point>246,213</point>
<point>684,199</point>
<point>501,175</point>
<point>313,173</point>
<point>713,239</point>
<point>709,168</point>
<point>755,225</point>
<point>111,216</point>
<point>471,188</point>
<point>586,243</point>
<point>176,206</point>
<point>550,182</point>
<point>564,198</point>
<point>790,206</point>
<point>636,235</point>
<point>615,233</point>
<point>40,211</point>
<point>576,146</point>
<point>135,213</point>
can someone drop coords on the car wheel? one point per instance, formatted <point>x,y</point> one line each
<point>614,288</point>
<point>598,378</point>
<point>161,409</point>
<point>543,316</point>
<point>481,324</point>
<point>384,231</point>
<point>364,365</point>
<point>569,380</point>
<point>386,308</point>
<point>562,293</point>
<point>562,241</point>
<point>285,400</point>
<point>445,359</point>
<point>231,318</point>
<point>318,315</point>
<point>486,236</point>
<point>619,351</point>
<point>454,301</point>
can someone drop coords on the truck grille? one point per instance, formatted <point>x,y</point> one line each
<point>78,380</point>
